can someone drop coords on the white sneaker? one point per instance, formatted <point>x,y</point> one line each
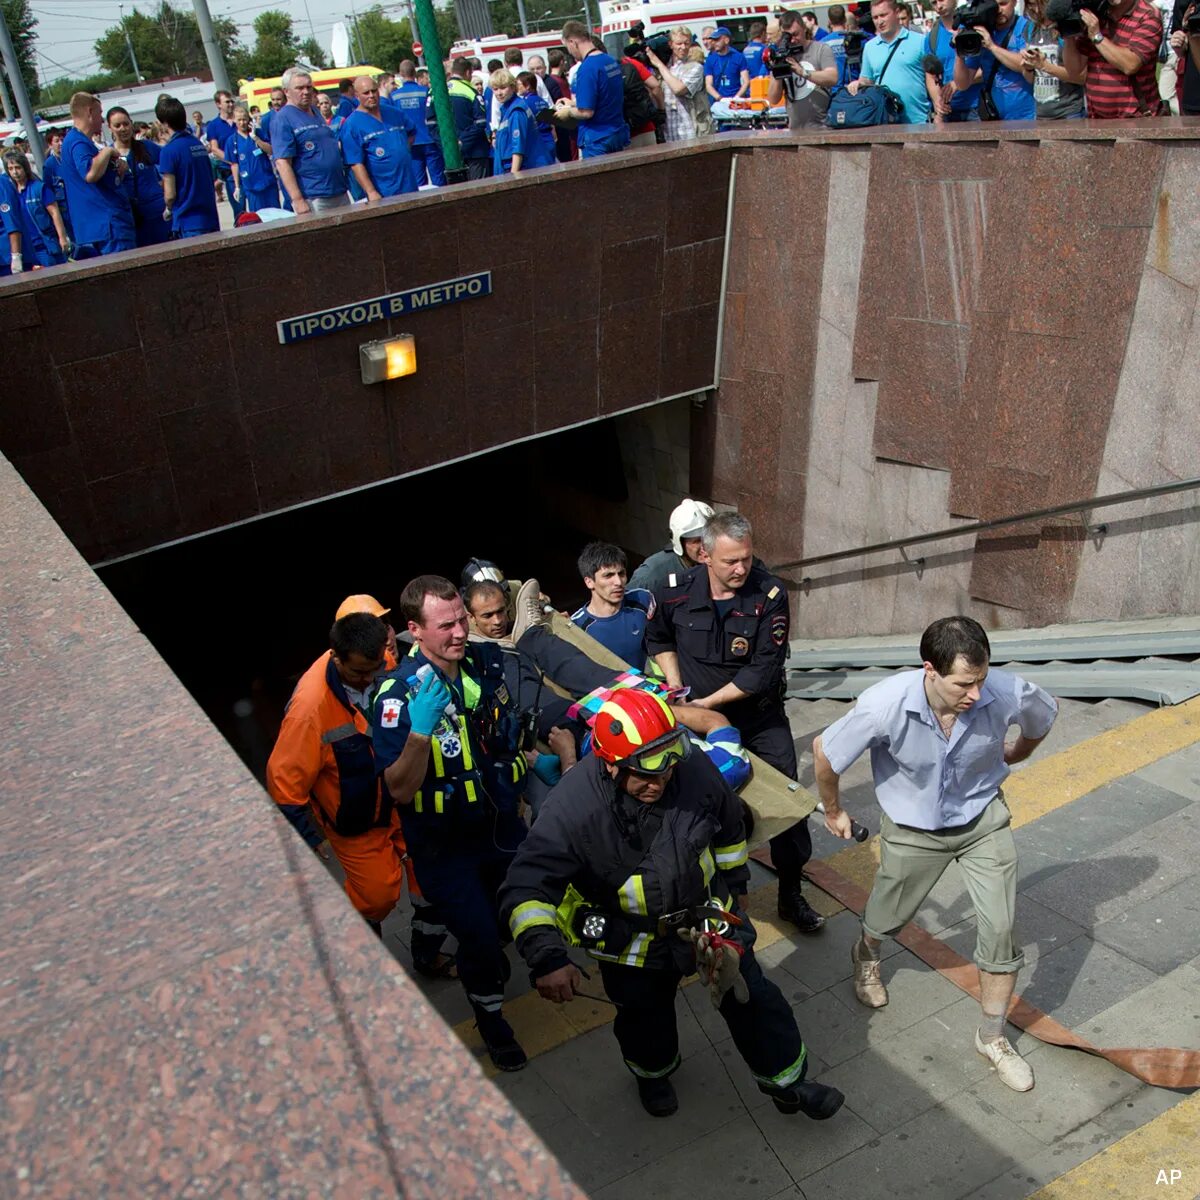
<point>528,609</point>
<point>1013,1070</point>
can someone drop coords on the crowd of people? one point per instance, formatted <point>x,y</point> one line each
<point>110,185</point>
<point>571,784</point>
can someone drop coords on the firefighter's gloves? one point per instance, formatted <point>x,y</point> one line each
<point>719,965</point>
<point>427,705</point>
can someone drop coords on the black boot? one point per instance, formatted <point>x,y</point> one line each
<point>793,907</point>
<point>814,1100</point>
<point>500,1040</point>
<point>658,1096</point>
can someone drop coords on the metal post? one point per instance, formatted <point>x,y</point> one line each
<point>137,71</point>
<point>521,18</point>
<point>5,100</point>
<point>212,48</point>
<point>439,92</point>
<point>24,108</point>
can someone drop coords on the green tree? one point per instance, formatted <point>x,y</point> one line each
<point>61,90</point>
<point>166,42</point>
<point>383,42</point>
<point>310,52</point>
<point>21,24</point>
<point>275,46</point>
<point>506,19</point>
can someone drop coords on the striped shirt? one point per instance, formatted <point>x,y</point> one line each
<point>1110,92</point>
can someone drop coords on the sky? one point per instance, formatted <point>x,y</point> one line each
<point>67,28</point>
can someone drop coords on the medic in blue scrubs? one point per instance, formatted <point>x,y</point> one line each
<point>52,174</point>
<point>15,219</point>
<point>375,144</point>
<point>518,144</point>
<point>426,149</point>
<point>250,157</point>
<point>142,181</point>
<point>100,211</point>
<point>40,206</point>
<point>189,197</point>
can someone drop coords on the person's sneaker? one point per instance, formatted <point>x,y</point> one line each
<point>527,609</point>
<point>1013,1070</point>
<point>658,1096</point>
<point>868,987</point>
<point>500,1041</point>
<point>793,907</point>
<point>814,1100</point>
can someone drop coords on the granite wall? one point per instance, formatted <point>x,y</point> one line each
<point>152,400</point>
<point>926,332</point>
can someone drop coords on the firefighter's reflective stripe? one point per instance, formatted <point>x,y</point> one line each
<point>642,1074</point>
<point>468,762</point>
<point>707,866</point>
<point>634,955</point>
<point>633,896</point>
<point>789,1075</point>
<point>340,733</point>
<point>472,793</point>
<point>531,913</point>
<point>489,1003</point>
<point>735,854</point>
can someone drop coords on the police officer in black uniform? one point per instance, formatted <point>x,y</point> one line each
<point>722,630</point>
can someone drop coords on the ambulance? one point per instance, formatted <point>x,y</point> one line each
<point>257,92</point>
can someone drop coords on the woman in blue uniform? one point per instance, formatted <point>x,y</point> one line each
<point>40,206</point>
<point>250,156</point>
<point>142,183</point>
<point>518,145</point>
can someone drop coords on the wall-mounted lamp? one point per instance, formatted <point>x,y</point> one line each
<point>388,358</point>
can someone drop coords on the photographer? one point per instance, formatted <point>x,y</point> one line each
<point>1185,41</point>
<point>683,85</point>
<point>1116,60</point>
<point>1056,94</point>
<point>1007,84</point>
<point>895,58</point>
<point>950,102</point>
<point>811,72</point>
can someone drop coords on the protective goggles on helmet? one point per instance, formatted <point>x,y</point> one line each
<point>659,757</point>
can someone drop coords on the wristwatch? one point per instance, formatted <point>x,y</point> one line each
<point>1097,38</point>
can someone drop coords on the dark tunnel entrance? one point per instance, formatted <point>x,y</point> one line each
<point>239,614</point>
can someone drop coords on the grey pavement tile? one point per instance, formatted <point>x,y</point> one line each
<point>1070,1088</point>
<point>740,1163</point>
<point>950,1150</point>
<point>1040,931</point>
<point>822,959</point>
<point>1082,978</point>
<point>1039,1169</point>
<point>922,1066</point>
<point>531,1096</point>
<point>1178,772</point>
<point>1115,879</point>
<point>583,1070</point>
<point>915,991</point>
<point>1134,1110</point>
<point>1164,1013</point>
<point>1162,933</point>
<point>805,1147</point>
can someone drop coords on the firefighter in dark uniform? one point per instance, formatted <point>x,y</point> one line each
<point>447,738</point>
<point>639,856</point>
<point>722,630</point>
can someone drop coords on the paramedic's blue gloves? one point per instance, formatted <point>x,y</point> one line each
<point>548,768</point>
<point>426,707</point>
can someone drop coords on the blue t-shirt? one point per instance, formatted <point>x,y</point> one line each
<point>254,167</point>
<point>220,131</point>
<point>1012,93</point>
<point>186,158</point>
<point>36,196</point>
<point>960,101</point>
<point>905,74</point>
<point>144,181</point>
<point>413,99</point>
<point>345,106</point>
<point>52,174</point>
<point>599,87</point>
<point>726,71</point>
<point>15,218</point>
<point>836,41</point>
<point>381,145</point>
<point>536,104</point>
<point>264,125</point>
<point>624,633</point>
<point>517,134</point>
<point>99,211</point>
<point>753,54</point>
<point>312,147</point>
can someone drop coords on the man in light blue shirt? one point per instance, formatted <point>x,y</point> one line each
<point>894,58</point>
<point>939,756</point>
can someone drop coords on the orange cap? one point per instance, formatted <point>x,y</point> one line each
<point>361,604</point>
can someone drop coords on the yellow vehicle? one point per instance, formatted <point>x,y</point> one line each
<point>258,91</point>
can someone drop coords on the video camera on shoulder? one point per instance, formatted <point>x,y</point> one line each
<point>975,13</point>
<point>781,54</point>
<point>1191,23</point>
<point>1064,14</point>
<point>854,40</point>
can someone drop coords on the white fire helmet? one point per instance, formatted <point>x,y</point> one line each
<point>688,521</point>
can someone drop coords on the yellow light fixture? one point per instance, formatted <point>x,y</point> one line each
<point>388,358</point>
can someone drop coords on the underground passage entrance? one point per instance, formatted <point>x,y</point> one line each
<point>241,613</point>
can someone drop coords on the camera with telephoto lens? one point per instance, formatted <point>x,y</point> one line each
<point>855,40</point>
<point>981,13</point>
<point>783,53</point>
<point>1191,23</point>
<point>1064,14</point>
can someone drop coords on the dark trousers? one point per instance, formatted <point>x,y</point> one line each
<point>771,739</point>
<point>566,664</point>
<point>478,168</point>
<point>461,880</point>
<point>764,1029</point>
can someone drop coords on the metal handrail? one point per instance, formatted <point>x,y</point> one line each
<point>1058,510</point>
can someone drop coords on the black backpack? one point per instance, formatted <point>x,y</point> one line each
<point>639,107</point>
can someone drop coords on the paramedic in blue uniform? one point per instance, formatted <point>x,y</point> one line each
<point>615,616</point>
<point>277,101</point>
<point>518,144</point>
<point>189,200</point>
<point>375,144</point>
<point>722,630</point>
<point>52,174</point>
<point>100,212</point>
<point>470,121</point>
<point>21,245</point>
<point>414,99</point>
<point>752,51</point>
<point>599,100</point>
<point>250,158</point>
<point>307,154</point>
<point>446,734</point>
<point>726,72</point>
<point>41,207</point>
<point>218,131</point>
<point>142,179</point>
